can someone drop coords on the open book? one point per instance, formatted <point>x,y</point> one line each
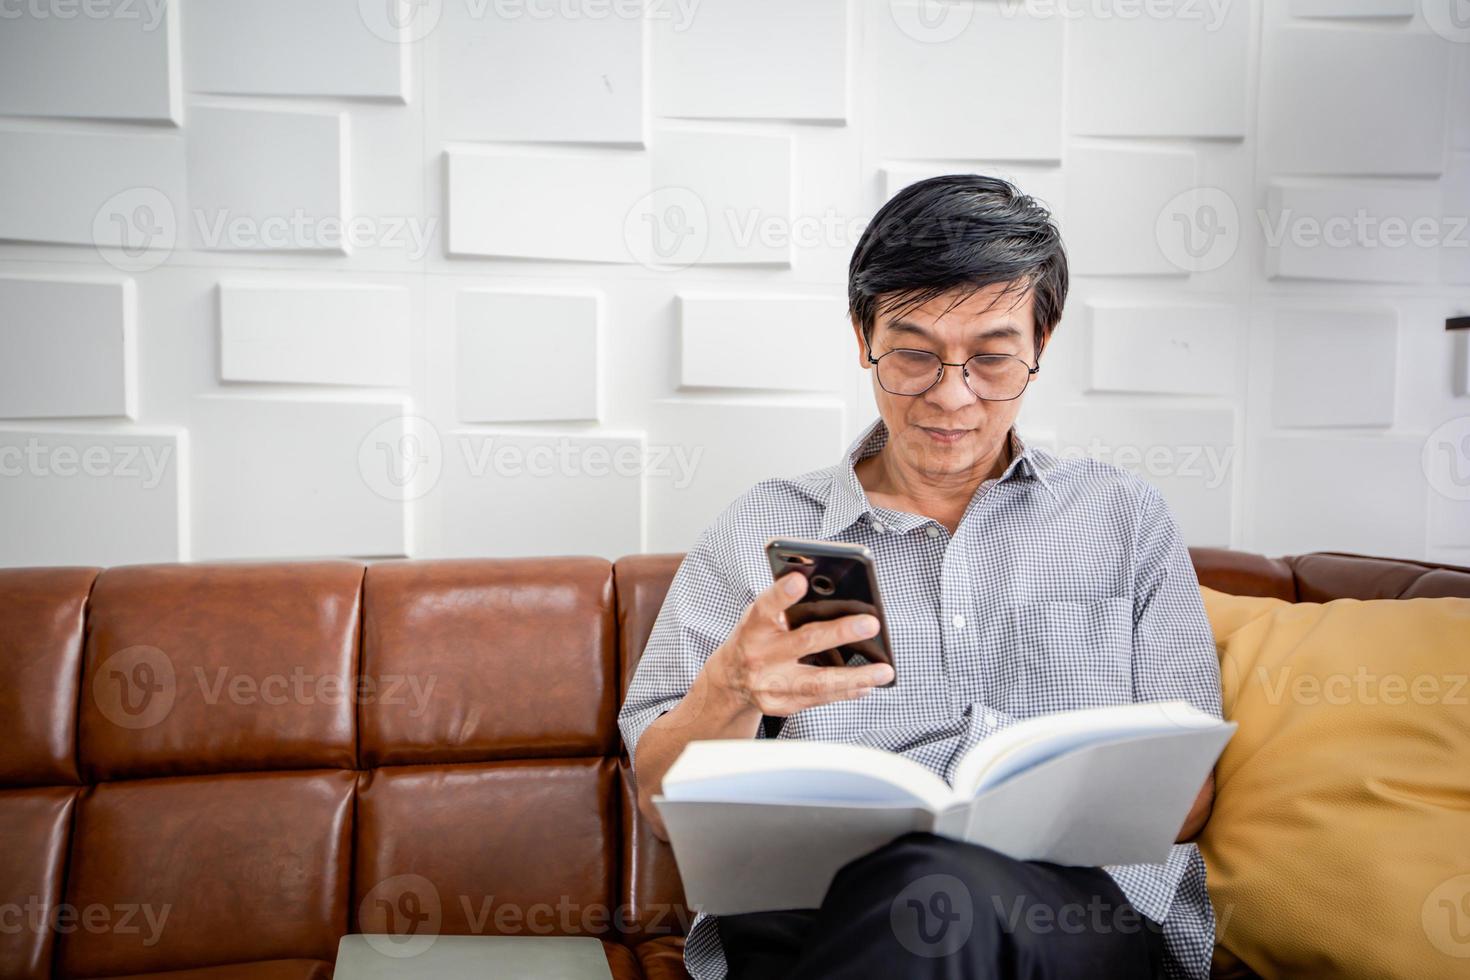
<point>766,824</point>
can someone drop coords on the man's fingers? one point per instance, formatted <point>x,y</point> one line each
<point>779,596</point>
<point>805,686</point>
<point>830,634</point>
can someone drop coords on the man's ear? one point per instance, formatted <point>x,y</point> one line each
<point>862,347</point>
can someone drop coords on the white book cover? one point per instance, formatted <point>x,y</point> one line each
<point>766,824</point>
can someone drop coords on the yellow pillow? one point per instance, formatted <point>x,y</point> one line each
<point>1339,844</point>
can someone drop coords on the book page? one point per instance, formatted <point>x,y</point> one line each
<point>801,771</point>
<point>1037,740</point>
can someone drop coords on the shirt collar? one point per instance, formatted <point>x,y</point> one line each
<point>847,500</point>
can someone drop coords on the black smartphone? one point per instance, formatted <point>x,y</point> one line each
<point>841,581</point>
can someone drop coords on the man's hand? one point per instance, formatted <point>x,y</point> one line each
<point>758,665</point>
<point>755,672</point>
<point>1199,813</point>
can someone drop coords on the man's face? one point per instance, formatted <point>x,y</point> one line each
<point>948,430</point>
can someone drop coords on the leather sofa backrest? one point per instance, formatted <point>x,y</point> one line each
<point>275,754</point>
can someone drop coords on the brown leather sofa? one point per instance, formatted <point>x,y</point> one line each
<point>215,771</point>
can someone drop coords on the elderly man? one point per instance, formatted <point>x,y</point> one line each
<point>1015,584</point>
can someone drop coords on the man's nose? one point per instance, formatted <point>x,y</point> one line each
<point>951,393</point>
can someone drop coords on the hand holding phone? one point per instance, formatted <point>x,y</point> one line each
<point>842,580</point>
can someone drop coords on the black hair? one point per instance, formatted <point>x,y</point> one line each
<point>957,232</point>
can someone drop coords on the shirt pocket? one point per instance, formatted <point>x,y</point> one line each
<point>1073,655</point>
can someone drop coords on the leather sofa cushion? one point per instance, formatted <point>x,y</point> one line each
<point>261,970</point>
<point>232,869</point>
<point>35,826</point>
<point>505,848</point>
<point>493,659</point>
<point>41,623</point>
<point>1343,792</point>
<point>219,668</point>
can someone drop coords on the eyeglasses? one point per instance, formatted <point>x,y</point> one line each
<point>991,377</point>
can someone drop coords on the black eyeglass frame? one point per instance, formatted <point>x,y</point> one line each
<point>939,375</point>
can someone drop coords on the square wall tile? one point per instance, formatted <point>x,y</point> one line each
<point>303,478</point>
<point>67,347</point>
<point>267,181</point>
<point>314,333</point>
<point>65,61</point>
<point>1117,233</point>
<point>524,357</point>
<point>1334,368</point>
<point>751,59</point>
<point>1006,52</point>
<point>1182,350</point>
<point>1326,107</point>
<point>800,343</point>
<point>582,206</point>
<point>511,71</point>
<point>281,47</point>
<point>1181,75</point>
<point>95,497</point>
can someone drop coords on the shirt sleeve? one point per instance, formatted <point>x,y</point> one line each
<point>699,613</point>
<point>1174,658</point>
<point>1174,654</point>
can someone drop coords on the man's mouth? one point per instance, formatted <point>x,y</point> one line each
<point>945,435</point>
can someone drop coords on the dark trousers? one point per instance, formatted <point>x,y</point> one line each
<point>927,906</point>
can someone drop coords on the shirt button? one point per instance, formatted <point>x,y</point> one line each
<point>932,531</point>
<point>958,621</point>
<point>878,526</point>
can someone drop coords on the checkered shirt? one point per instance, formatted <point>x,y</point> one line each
<point>1066,585</point>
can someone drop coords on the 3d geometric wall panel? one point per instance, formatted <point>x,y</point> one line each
<point>1354,232</point>
<point>1456,226</point>
<point>525,203</point>
<point>328,50</point>
<point>1327,110</point>
<point>993,91</point>
<point>701,455</point>
<point>493,479</point>
<point>1338,488</point>
<point>66,347</point>
<point>1118,64</point>
<point>384,277</point>
<point>739,185</point>
<point>97,497</point>
<point>314,333</point>
<point>1334,368</point>
<point>263,181</point>
<point>89,188</point>
<point>1114,199</point>
<point>525,357</point>
<point>299,478</point>
<point>1190,454</point>
<point>796,343</point>
<point>752,59</point>
<point>510,72</point>
<point>64,60</point>
<point>1168,349</point>
<point>1353,8</point>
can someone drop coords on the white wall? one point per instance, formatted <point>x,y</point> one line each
<point>586,242</point>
